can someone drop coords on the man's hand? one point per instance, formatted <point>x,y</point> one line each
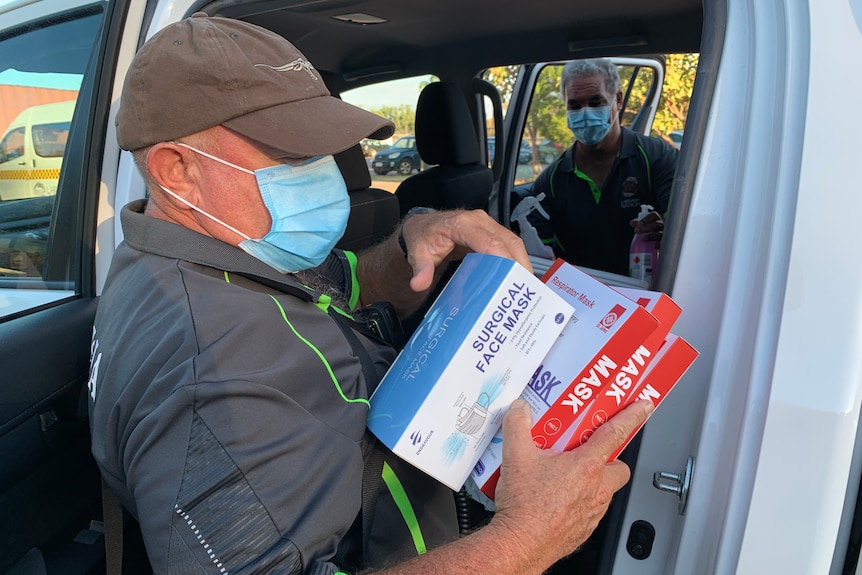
<point>431,240</point>
<point>436,237</point>
<point>549,501</point>
<point>652,225</point>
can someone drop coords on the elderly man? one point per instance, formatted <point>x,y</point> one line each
<point>229,383</point>
<point>593,192</point>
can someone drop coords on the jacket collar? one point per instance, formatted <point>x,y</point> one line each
<point>163,238</point>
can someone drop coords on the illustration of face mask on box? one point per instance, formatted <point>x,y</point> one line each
<point>472,419</point>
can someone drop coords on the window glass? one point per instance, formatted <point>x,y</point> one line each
<point>41,74</point>
<point>635,84</point>
<point>391,161</point>
<point>545,136</point>
<point>12,146</point>
<point>49,140</point>
<point>503,77</point>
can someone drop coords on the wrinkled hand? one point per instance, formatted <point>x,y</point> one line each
<point>652,225</point>
<point>436,237</point>
<point>551,501</point>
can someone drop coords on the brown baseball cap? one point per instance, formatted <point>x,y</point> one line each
<point>207,71</point>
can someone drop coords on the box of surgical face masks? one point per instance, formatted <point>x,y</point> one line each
<point>608,331</point>
<point>444,397</point>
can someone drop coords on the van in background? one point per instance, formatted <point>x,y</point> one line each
<point>31,151</point>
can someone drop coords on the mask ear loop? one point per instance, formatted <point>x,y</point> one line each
<point>211,157</point>
<point>210,216</point>
<point>197,209</point>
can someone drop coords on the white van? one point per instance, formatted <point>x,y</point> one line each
<point>31,151</point>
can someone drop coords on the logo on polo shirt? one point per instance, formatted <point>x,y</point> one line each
<point>630,187</point>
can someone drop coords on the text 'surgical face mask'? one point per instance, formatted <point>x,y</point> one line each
<point>308,204</point>
<point>590,125</point>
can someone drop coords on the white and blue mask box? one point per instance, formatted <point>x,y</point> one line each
<point>444,397</point>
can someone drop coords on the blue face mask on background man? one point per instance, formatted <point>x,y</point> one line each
<point>590,125</point>
<point>308,204</point>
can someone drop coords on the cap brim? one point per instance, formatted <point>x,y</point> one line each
<point>318,126</point>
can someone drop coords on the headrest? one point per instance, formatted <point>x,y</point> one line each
<point>353,168</point>
<point>445,134</point>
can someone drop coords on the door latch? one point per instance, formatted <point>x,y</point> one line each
<point>678,483</point>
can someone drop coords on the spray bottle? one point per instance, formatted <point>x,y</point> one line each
<point>529,235</point>
<point>643,255</point>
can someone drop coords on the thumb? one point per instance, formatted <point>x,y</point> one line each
<point>423,273</point>
<point>517,436</point>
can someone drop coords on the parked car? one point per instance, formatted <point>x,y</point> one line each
<point>550,151</point>
<point>676,137</point>
<point>402,157</point>
<point>371,147</point>
<point>751,466</point>
<point>525,151</point>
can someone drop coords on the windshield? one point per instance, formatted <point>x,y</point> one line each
<point>49,140</point>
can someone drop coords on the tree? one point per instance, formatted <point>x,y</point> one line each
<point>546,118</point>
<point>676,94</point>
<point>403,116</point>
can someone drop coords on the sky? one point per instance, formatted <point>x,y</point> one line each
<point>391,93</point>
<point>41,80</point>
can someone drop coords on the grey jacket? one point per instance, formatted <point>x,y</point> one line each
<point>228,411</point>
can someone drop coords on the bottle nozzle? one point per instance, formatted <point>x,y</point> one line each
<point>645,209</point>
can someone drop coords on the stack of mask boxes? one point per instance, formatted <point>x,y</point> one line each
<point>618,348</point>
<point>444,397</point>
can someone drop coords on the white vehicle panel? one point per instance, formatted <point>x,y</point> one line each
<point>777,432</point>
<point>812,422</point>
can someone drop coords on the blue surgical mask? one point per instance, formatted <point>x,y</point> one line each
<point>590,125</point>
<point>308,204</point>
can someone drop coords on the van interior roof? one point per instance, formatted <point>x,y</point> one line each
<point>449,37</point>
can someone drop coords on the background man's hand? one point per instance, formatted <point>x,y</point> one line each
<point>652,225</point>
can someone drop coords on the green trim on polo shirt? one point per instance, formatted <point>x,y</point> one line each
<point>353,261</point>
<point>405,507</point>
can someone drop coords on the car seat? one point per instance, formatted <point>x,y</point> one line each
<point>373,212</point>
<point>446,138</point>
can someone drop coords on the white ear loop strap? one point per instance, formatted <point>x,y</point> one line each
<point>197,209</point>
<point>211,157</point>
<point>210,216</point>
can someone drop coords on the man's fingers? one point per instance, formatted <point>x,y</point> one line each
<point>618,473</point>
<point>435,237</point>
<point>517,426</point>
<point>609,436</point>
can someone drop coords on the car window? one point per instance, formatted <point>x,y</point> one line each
<point>545,136</point>
<point>49,140</point>
<point>393,160</point>
<point>42,68</point>
<point>12,146</point>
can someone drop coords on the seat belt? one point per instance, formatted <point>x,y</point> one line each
<point>112,517</point>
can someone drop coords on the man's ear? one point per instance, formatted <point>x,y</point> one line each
<point>174,167</point>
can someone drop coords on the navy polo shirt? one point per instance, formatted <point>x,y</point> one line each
<point>589,223</point>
